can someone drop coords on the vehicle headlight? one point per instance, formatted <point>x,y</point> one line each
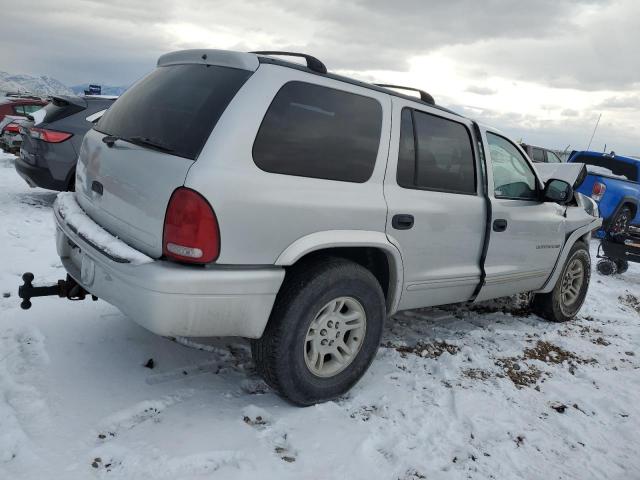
<point>590,206</point>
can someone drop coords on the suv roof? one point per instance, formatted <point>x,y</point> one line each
<point>22,100</point>
<point>352,81</point>
<point>22,96</point>
<point>251,61</point>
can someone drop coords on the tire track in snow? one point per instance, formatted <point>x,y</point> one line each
<point>130,417</point>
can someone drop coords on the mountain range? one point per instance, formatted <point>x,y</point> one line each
<point>44,85</point>
<point>106,89</point>
<point>39,85</point>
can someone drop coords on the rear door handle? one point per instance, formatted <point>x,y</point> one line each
<point>402,221</point>
<point>97,187</point>
<point>499,225</point>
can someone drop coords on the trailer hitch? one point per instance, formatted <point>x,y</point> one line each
<point>68,288</point>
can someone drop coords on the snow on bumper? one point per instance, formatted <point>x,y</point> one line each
<point>167,298</point>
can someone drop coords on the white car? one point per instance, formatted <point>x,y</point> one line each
<point>239,194</point>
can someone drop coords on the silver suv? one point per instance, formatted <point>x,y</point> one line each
<point>238,194</point>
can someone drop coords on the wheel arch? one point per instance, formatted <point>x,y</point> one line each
<point>627,200</point>
<point>580,234</point>
<point>367,248</point>
<point>632,202</point>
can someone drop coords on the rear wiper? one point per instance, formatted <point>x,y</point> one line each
<point>148,142</point>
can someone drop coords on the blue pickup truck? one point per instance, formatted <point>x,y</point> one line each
<point>613,181</point>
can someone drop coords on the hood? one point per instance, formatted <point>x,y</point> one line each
<point>572,173</point>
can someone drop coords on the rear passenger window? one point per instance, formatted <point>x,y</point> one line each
<point>538,155</point>
<point>28,109</point>
<point>319,132</point>
<point>435,154</point>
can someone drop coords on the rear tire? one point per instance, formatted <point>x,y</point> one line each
<point>620,223</point>
<point>308,305</point>
<point>566,298</point>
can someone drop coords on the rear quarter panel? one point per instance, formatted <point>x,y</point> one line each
<point>260,214</point>
<point>616,191</point>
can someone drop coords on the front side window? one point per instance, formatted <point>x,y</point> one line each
<point>512,176</point>
<point>439,156</point>
<point>319,132</point>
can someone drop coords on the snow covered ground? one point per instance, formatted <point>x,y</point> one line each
<point>491,393</point>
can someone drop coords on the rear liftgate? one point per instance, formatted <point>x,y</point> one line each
<point>68,288</point>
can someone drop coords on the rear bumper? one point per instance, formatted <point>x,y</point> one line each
<point>170,299</point>
<point>38,176</point>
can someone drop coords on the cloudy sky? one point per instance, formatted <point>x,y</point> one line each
<point>541,70</point>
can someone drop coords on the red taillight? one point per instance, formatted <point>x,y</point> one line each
<point>49,136</point>
<point>191,231</point>
<point>12,128</point>
<point>598,191</point>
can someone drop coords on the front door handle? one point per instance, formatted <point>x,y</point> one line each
<point>402,221</point>
<point>97,187</point>
<point>499,225</point>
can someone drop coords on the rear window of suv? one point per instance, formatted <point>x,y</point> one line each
<point>175,106</point>
<point>319,132</point>
<point>617,167</point>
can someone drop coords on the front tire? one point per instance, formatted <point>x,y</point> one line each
<point>566,298</point>
<point>323,332</point>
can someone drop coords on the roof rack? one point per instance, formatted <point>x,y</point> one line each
<point>424,96</point>
<point>312,62</point>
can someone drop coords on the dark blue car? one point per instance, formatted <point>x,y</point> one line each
<point>613,181</point>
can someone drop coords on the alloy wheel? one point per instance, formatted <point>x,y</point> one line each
<point>335,336</point>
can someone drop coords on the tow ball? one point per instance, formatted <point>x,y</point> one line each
<point>68,288</point>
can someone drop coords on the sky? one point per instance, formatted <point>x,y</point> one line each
<point>542,71</point>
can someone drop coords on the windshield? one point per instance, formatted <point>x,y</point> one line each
<point>176,107</point>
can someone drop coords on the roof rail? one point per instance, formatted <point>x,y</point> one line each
<point>312,62</point>
<point>424,96</point>
<point>24,95</point>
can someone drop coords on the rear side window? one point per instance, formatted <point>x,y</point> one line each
<point>617,167</point>
<point>175,106</point>
<point>28,109</point>
<point>319,132</point>
<point>538,155</point>
<point>435,154</point>
<point>552,157</point>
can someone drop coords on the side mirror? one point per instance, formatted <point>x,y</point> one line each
<point>557,191</point>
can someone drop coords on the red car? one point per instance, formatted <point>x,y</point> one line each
<point>14,104</point>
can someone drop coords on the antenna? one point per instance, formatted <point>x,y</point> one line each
<point>594,131</point>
